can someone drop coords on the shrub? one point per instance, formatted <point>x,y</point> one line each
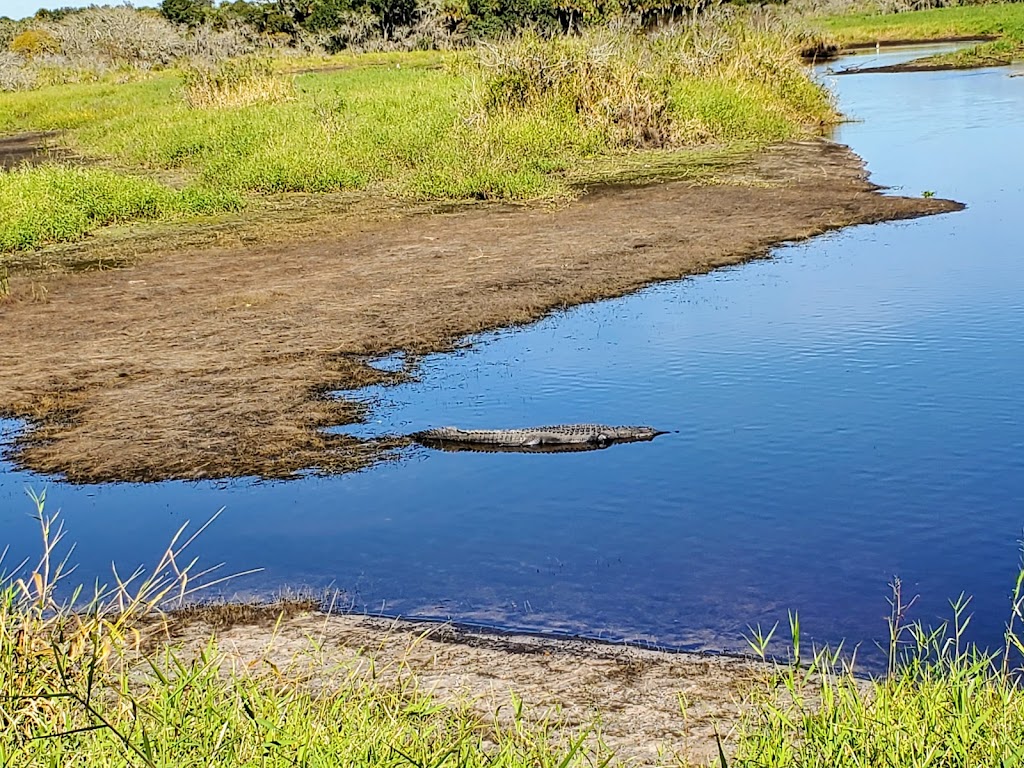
<point>118,35</point>
<point>33,42</point>
<point>14,75</point>
<point>720,78</point>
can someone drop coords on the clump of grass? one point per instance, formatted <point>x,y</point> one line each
<point>234,82</point>
<point>58,203</point>
<point>942,703</point>
<point>724,77</point>
<point>79,689</point>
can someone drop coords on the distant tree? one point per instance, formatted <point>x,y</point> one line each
<point>55,14</point>
<point>392,14</point>
<point>326,15</point>
<point>8,29</point>
<point>494,18</point>
<point>653,13</point>
<point>192,13</point>
<point>266,18</point>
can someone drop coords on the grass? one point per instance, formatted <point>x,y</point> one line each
<point>58,202</point>
<point>943,703</point>
<point>77,689</point>
<point>996,19</point>
<point>81,685</point>
<point>445,127</point>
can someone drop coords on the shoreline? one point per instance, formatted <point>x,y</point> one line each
<point>218,362</point>
<point>857,47</point>
<point>648,704</point>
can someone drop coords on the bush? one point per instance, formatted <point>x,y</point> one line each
<point>14,75</point>
<point>118,36</point>
<point>33,42</point>
<point>719,79</point>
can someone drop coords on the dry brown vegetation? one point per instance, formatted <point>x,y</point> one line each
<point>218,361</point>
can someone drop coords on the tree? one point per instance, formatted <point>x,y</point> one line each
<point>189,12</point>
<point>392,14</point>
<point>326,15</point>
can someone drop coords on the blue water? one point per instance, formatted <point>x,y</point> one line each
<point>846,412</point>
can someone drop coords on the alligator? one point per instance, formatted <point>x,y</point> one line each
<point>553,439</point>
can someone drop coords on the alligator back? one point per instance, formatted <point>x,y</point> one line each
<point>577,436</point>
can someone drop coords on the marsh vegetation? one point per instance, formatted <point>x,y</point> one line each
<point>105,679</point>
<point>505,121</point>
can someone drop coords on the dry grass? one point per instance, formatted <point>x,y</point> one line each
<point>234,83</point>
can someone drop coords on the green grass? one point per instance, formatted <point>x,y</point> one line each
<point>963,21</point>
<point>992,54</point>
<point>54,203</point>
<point>76,692</point>
<point>943,704</point>
<point>431,129</point>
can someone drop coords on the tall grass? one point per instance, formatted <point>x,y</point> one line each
<point>77,691</point>
<point>944,703</point>
<point>722,78</point>
<point>235,82</point>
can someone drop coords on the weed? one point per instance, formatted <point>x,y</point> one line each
<point>78,690</point>
<point>943,701</point>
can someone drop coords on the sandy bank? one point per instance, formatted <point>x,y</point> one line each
<point>649,705</point>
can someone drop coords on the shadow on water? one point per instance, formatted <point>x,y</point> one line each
<point>844,412</point>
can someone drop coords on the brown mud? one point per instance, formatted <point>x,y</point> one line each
<point>652,707</point>
<point>924,66</point>
<point>29,149</point>
<point>218,360</point>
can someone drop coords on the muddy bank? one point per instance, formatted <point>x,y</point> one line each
<point>923,65</point>
<point>29,148</point>
<point>217,361</point>
<point>651,705</point>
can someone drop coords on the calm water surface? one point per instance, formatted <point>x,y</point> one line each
<point>847,411</point>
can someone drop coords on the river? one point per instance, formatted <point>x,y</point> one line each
<point>845,412</point>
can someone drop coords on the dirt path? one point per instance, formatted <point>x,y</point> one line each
<point>214,362</point>
<point>651,705</point>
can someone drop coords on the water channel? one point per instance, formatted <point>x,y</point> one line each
<point>847,411</point>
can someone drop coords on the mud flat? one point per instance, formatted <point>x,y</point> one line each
<point>218,360</point>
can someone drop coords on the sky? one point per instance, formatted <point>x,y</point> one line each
<point>19,9</point>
